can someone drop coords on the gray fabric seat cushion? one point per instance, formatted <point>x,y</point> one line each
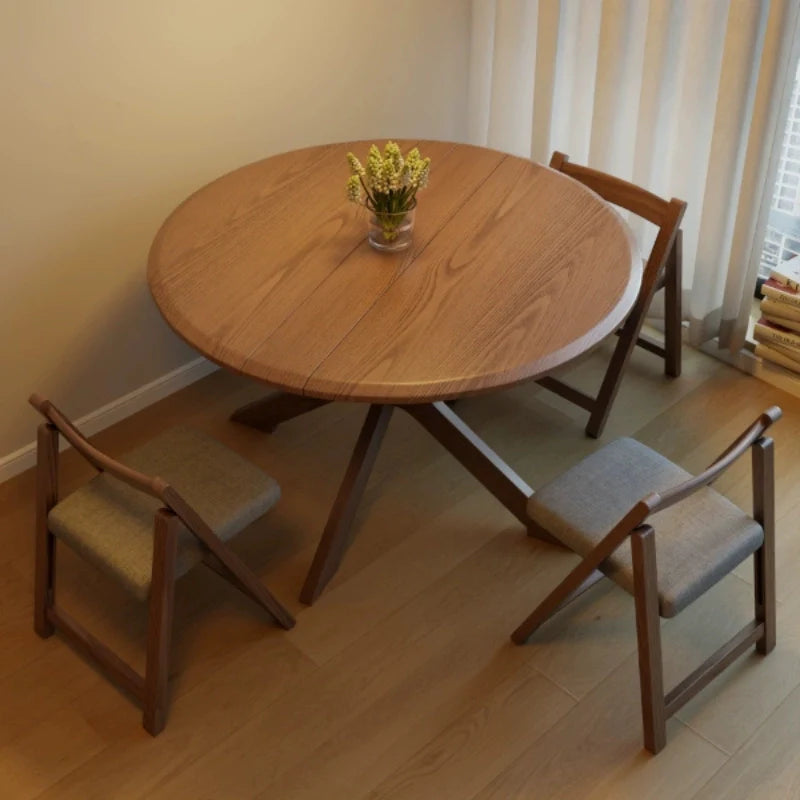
<point>698,540</point>
<point>111,523</point>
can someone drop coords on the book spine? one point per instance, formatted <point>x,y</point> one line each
<point>778,296</point>
<point>792,324</point>
<point>765,334</point>
<point>770,307</point>
<point>787,272</point>
<point>787,281</point>
<point>789,352</point>
<point>768,354</point>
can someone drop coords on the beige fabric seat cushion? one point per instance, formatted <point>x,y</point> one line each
<point>698,541</point>
<point>111,523</point>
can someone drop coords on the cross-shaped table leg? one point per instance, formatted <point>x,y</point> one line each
<point>451,432</point>
<point>335,537</point>
<point>270,411</point>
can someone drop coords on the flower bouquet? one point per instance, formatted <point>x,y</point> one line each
<point>388,187</point>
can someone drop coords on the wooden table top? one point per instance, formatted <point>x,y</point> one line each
<point>514,270</point>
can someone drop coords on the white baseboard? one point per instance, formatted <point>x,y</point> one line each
<point>116,410</point>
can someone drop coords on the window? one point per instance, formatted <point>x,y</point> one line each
<point>782,240</point>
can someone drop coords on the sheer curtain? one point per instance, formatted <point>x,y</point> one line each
<point>685,97</point>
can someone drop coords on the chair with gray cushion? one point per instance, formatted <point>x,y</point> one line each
<point>146,532</point>
<point>666,537</point>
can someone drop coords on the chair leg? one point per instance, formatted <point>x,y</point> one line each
<point>222,556</point>
<point>764,558</point>
<point>581,578</point>
<point>613,377</point>
<point>46,498</point>
<point>159,625</point>
<point>672,307</point>
<point>648,632</point>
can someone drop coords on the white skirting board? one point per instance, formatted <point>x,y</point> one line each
<point>116,410</point>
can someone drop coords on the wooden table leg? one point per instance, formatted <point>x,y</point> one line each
<point>269,412</point>
<point>453,433</point>
<point>335,537</point>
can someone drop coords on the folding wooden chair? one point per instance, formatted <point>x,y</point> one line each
<point>146,533</point>
<point>698,535</point>
<point>662,269</point>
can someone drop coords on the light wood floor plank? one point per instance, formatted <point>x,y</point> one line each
<point>133,763</point>
<point>480,742</point>
<point>45,752</point>
<point>401,681</point>
<point>738,702</point>
<point>768,766</point>
<point>595,752</point>
<point>424,655</point>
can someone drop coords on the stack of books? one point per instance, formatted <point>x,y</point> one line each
<point>777,333</point>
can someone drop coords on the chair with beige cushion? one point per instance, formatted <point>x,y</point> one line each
<point>146,532</point>
<point>662,269</point>
<point>666,537</point>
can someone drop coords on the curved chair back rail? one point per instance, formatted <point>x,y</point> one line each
<point>614,190</point>
<point>658,502</point>
<point>666,215</point>
<point>100,461</point>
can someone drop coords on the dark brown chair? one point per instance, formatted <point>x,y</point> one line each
<point>624,505</point>
<point>146,532</point>
<point>662,269</point>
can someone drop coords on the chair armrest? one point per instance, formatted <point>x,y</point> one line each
<point>100,461</point>
<point>739,447</point>
<point>658,501</point>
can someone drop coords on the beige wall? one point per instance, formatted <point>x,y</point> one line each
<point>114,110</point>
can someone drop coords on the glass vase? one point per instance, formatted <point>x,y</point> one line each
<point>390,232</point>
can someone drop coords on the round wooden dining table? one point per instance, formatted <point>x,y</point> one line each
<point>514,270</point>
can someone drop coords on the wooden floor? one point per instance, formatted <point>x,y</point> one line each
<point>401,681</point>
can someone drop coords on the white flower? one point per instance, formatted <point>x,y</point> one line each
<point>354,189</point>
<point>355,166</point>
<point>390,180</point>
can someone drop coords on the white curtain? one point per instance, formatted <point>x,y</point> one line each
<point>684,97</point>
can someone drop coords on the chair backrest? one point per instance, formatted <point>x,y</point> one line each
<point>658,501</point>
<point>100,461</point>
<point>751,436</point>
<point>666,215</point>
<point>231,566</point>
<point>154,486</point>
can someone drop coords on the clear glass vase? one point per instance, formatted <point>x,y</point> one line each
<point>391,232</point>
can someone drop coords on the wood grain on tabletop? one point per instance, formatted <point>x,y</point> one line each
<point>514,270</point>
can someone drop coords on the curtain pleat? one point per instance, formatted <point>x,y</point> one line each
<point>683,97</point>
<point>728,146</point>
<point>575,77</point>
<point>513,68</point>
<point>620,72</point>
<point>779,52</point>
<point>482,47</point>
<point>544,77</point>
